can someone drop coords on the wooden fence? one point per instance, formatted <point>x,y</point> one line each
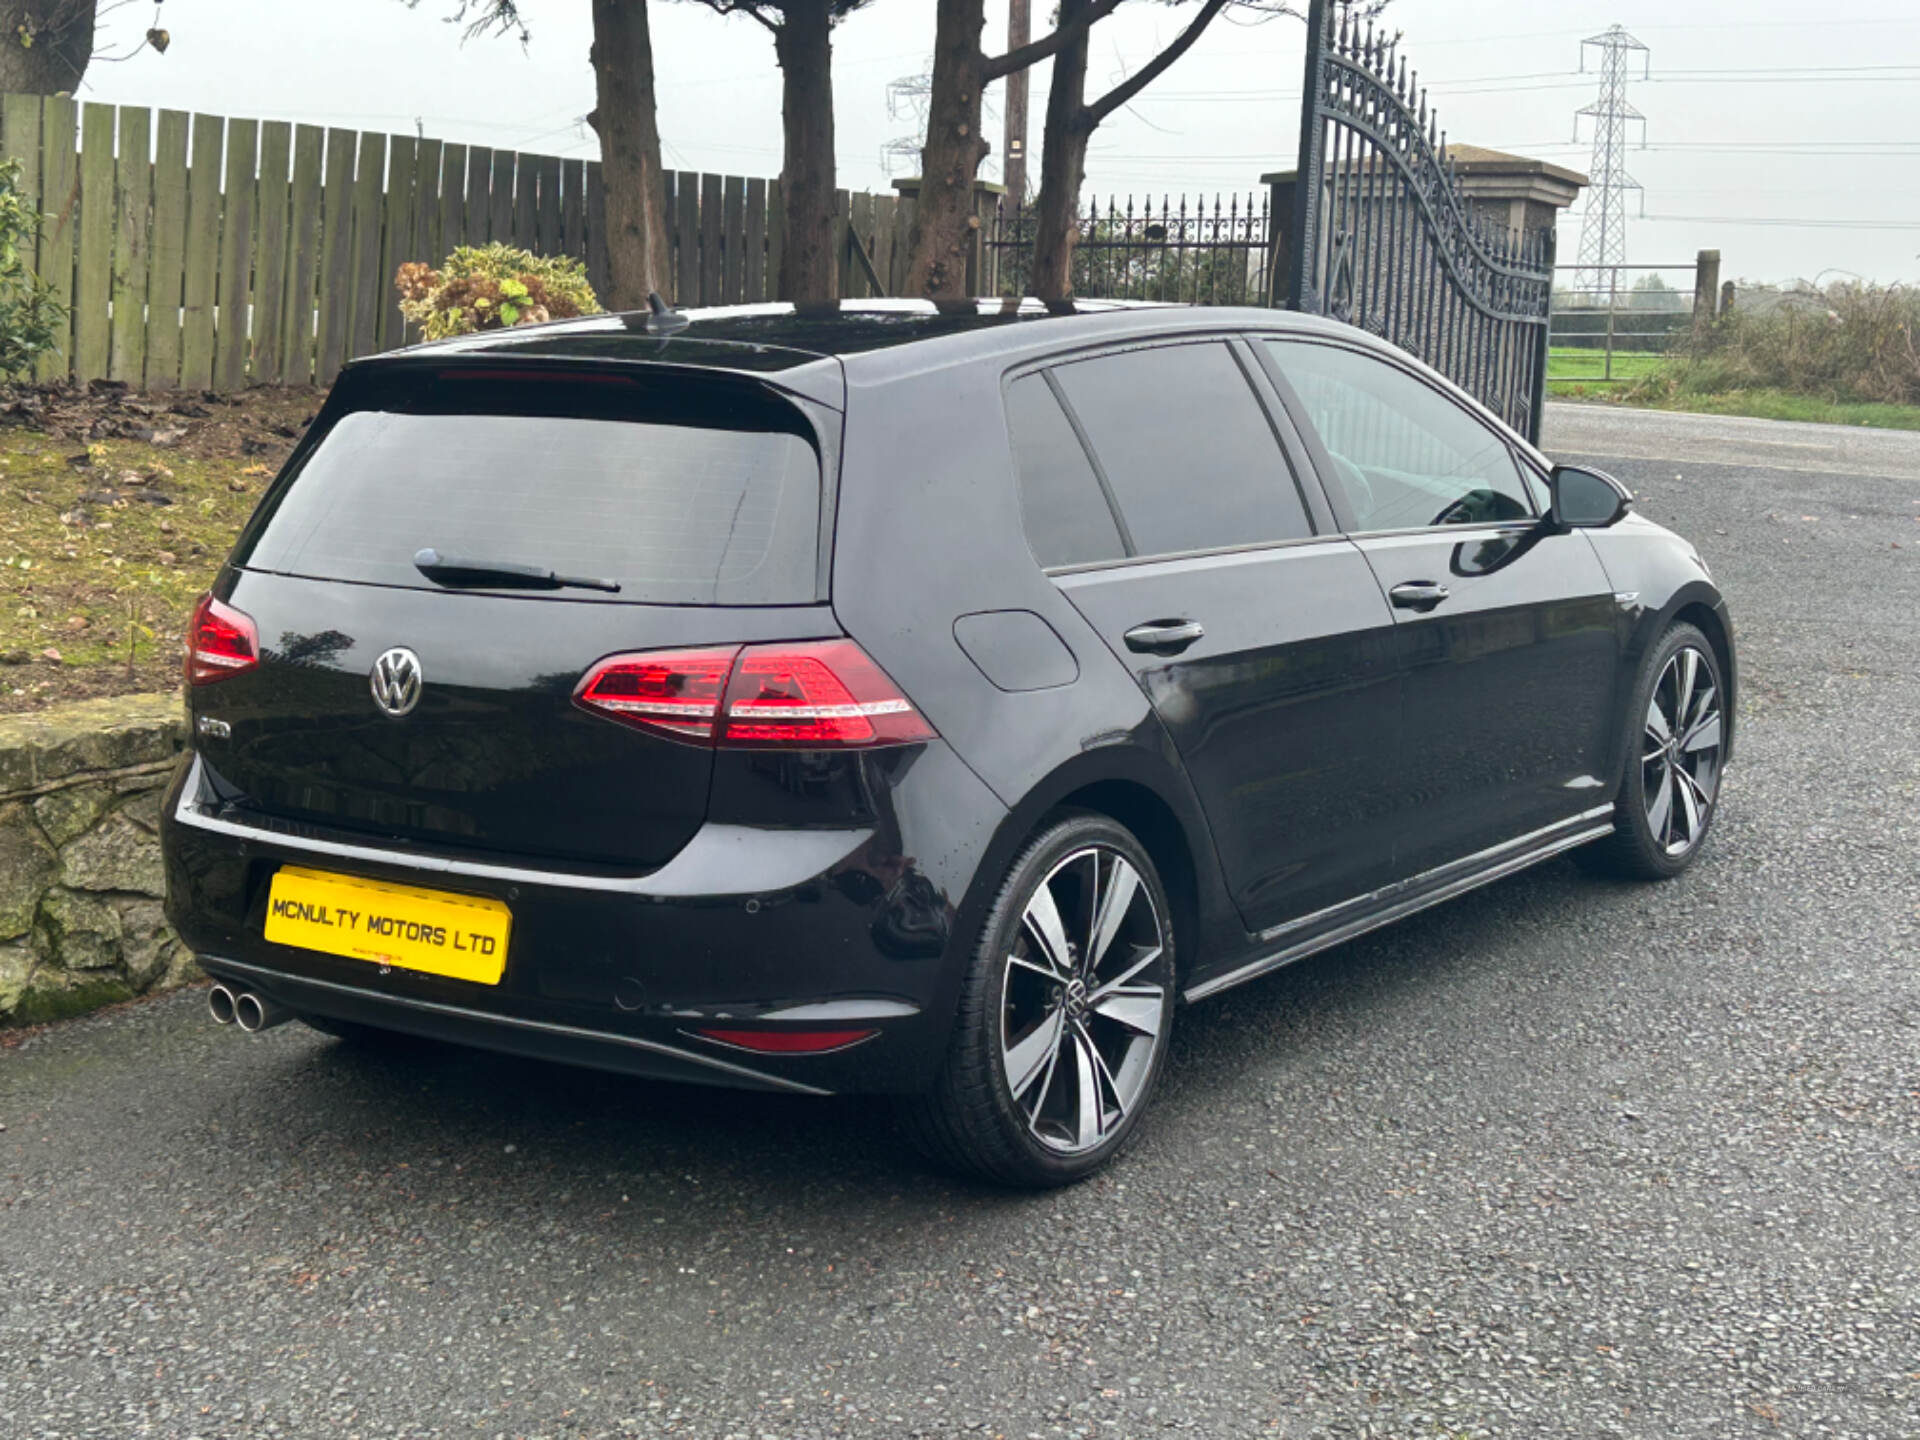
<point>205,253</point>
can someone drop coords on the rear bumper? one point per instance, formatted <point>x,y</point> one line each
<point>848,927</point>
<point>599,1049</point>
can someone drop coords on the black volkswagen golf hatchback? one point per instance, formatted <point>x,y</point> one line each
<point>909,699</point>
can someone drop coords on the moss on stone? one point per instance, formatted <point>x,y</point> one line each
<point>143,809</point>
<point>146,941</point>
<point>77,932</point>
<point>60,995</point>
<point>115,855</point>
<point>16,964</point>
<point>64,814</point>
<point>28,865</point>
<point>108,734</point>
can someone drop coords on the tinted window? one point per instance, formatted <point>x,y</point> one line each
<point>1068,519</point>
<point>1186,448</point>
<point>674,513</point>
<point>1404,454</point>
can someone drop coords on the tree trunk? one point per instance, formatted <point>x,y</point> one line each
<point>803,42</point>
<point>62,35</point>
<point>943,218</point>
<point>638,246</point>
<point>1063,165</point>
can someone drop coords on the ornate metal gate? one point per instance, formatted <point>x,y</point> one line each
<point>1384,238</point>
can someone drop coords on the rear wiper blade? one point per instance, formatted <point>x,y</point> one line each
<point>501,574</point>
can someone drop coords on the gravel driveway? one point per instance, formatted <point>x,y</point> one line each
<point>1561,1159</point>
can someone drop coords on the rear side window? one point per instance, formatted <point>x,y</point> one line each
<point>1186,448</point>
<point>675,513</point>
<point>1067,516</point>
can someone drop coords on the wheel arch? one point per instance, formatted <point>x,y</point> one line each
<point>1150,796</point>
<point>1151,821</point>
<point>1710,619</point>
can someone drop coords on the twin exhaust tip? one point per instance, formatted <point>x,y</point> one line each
<point>252,1013</point>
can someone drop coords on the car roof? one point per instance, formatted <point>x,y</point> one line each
<point>876,337</point>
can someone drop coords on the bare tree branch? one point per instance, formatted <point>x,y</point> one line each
<point>1154,68</point>
<point>1001,66</point>
<point>481,17</point>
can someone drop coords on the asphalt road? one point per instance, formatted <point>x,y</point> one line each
<point>1561,1159</point>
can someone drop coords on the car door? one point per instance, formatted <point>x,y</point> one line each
<point>1509,636</point>
<point>1260,638</point>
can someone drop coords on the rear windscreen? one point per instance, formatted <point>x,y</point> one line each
<point>673,513</point>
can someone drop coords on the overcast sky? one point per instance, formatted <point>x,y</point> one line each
<point>1757,114</point>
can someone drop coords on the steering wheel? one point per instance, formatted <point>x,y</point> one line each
<point>1359,492</point>
<point>1459,512</point>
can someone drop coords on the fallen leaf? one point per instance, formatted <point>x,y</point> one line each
<point>256,470</point>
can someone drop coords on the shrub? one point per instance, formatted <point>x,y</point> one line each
<point>30,317</point>
<point>1850,342</point>
<point>490,287</point>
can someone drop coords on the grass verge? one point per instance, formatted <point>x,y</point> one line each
<point>1783,405</point>
<point>1654,382</point>
<point>105,543</point>
<point>1574,365</point>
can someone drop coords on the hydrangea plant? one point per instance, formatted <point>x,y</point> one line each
<point>491,287</point>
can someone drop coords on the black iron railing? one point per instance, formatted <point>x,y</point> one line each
<point>1185,249</point>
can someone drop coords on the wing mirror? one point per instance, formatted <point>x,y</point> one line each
<point>1585,499</point>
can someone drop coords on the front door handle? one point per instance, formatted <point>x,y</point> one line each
<point>1420,595</point>
<point>1164,637</point>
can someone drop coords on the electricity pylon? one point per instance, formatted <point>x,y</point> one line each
<point>1603,234</point>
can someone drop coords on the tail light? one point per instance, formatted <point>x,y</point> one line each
<point>816,695</point>
<point>670,692</point>
<point>802,695</point>
<point>221,642</point>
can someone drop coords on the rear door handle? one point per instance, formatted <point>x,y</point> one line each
<point>1164,637</point>
<point>1417,594</point>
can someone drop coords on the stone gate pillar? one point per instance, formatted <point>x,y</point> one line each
<point>1510,192</point>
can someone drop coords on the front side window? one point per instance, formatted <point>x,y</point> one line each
<point>1404,455</point>
<point>1186,448</point>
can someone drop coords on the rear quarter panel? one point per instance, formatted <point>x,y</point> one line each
<point>928,530</point>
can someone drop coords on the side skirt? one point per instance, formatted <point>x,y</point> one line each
<point>1337,924</point>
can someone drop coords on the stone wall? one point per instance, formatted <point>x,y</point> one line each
<point>80,876</point>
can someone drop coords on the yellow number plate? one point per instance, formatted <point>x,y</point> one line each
<point>454,935</point>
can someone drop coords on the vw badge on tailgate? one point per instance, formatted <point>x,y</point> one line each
<point>396,681</point>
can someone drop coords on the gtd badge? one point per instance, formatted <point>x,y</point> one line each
<point>396,681</point>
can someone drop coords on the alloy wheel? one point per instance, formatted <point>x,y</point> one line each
<point>1680,753</point>
<point>1085,1000</point>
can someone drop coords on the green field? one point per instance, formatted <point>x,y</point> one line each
<point>1569,365</point>
<point>1577,374</point>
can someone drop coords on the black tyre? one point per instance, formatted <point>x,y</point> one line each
<point>1671,789</point>
<point>1065,1014</point>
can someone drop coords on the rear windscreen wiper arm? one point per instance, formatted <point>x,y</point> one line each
<point>450,570</point>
